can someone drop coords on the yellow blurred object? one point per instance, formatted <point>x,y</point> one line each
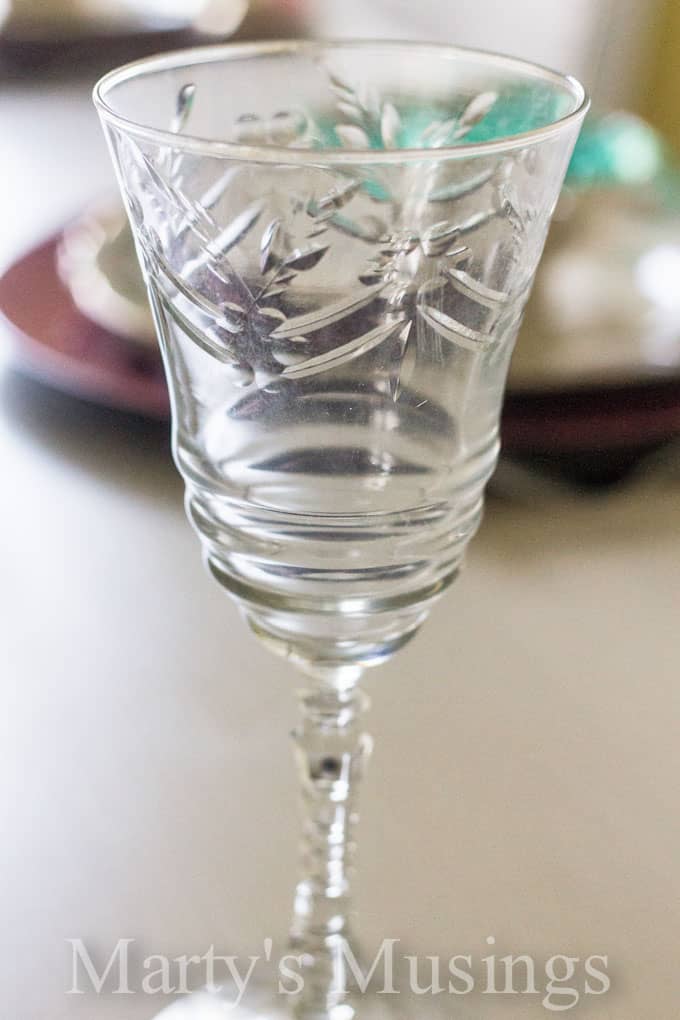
<point>661,101</point>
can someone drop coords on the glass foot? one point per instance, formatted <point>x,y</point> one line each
<point>259,1003</point>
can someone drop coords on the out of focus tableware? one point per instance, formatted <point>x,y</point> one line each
<point>605,308</point>
<point>52,340</point>
<point>67,36</point>
<point>97,262</point>
<point>57,20</point>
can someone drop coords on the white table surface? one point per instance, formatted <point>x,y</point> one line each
<point>525,779</point>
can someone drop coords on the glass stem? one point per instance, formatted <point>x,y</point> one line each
<point>331,752</point>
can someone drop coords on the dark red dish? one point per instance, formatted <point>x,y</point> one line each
<point>53,341</point>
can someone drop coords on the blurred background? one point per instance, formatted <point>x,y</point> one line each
<point>143,722</point>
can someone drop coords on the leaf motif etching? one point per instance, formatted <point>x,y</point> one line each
<point>258,320</point>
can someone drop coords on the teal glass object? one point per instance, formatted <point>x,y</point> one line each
<point>515,110</point>
<point>618,149</point>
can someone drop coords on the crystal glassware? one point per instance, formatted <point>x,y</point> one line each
<point>338,240</point>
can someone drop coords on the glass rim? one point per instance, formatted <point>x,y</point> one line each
<point>263,153</point>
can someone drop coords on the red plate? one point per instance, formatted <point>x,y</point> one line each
<point>55,342</point>
<point>596,420</point>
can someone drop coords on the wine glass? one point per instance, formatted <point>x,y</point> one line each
<point>338,240</point>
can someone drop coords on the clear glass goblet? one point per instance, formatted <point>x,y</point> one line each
<point>338,241</point>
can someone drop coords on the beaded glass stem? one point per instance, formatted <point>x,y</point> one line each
<point>338,240</point>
